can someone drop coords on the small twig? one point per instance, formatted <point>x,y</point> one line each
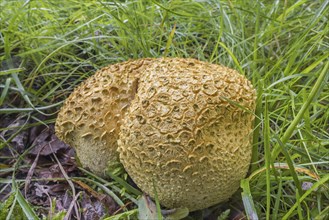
<point>31,171</point>
<point>73,203</point>
<point>122,207</point>
<point>69,182</point>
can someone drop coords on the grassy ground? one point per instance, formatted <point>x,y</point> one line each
<point>49,47</point>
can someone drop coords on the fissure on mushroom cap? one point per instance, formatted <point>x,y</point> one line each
<point>188,131</point>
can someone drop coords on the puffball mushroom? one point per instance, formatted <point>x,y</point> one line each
<point>187,132</point>
<point>91,116</point>
<point>180,127</point>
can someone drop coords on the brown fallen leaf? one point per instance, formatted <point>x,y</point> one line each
<point>47,143</point>
<point>15,135</point>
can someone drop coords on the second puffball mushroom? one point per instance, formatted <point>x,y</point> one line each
<point>185,127</point>
<point>91,116</point>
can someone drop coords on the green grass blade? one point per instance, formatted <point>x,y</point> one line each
<point>21,110</point>
<point>235,60</point>
<point>169,42</point>
<point>103,183</point>
<point>268,162</point>
<point>123,183</point>
<point>157,203</point>
<point>25,205</point>
<point>257,126</point>
<point>291,166</point>
<point>316,185</point>
<point>323,215</point>
<point>5,91</point>
<point>125,215</point>
<point>300,114</point>
<point>110,193</point>
<point>278,196</point>
<point>247,200</point>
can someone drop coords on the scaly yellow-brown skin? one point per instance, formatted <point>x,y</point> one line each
<point>188,132</point>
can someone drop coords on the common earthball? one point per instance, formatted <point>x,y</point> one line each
<point>187,132</point>
<point>90,117</point>
<point>180,127</point>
